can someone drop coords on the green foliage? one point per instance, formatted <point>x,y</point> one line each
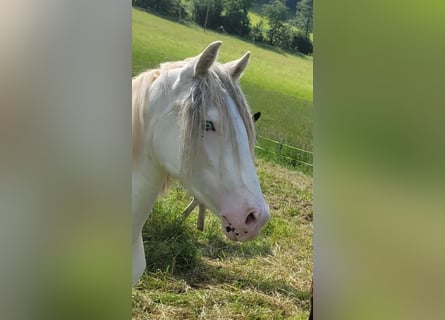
<point>281,33</point>
<point>232,16</point>
<point>275,11</point>
<point>172,8</point>
<point>235,18</point>
<point>225,15</point>
<point>257,32</point>
<point>291,4</point>
<point>303,18</point>
<point>208,13</point>
<point>302,44</point>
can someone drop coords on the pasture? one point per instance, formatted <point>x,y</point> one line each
<point>203,275</point>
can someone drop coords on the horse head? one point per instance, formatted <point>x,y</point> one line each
<point>202,133</point>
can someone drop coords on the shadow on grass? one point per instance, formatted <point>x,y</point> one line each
<point>170,245</point>
<point>176,250</point>
<point>207,275</point>
<point>173,243</point>
<point>218,247</point>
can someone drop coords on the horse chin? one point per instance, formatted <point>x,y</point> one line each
<point>231,236</point>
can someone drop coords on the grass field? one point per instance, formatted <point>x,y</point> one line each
<point>275,83</point>
<point>203,275</point>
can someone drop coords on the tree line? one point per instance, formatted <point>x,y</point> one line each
<point>289,22</point>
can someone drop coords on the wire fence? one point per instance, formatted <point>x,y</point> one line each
<point>285,154</point>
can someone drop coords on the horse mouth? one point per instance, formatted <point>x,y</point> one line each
<point>236,234</point>
<point>232,236</point>
<point>229,230</point>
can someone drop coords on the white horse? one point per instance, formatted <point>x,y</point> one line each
<point>191,122</point>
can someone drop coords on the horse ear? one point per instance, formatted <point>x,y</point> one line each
<point>207,58</point>
<point>236,68</point>
<point>256,116</point>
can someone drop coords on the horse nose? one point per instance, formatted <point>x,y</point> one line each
<point>250,226</point>
<point>256,218</point>
<point>253,222</point>
<point>251,218</point>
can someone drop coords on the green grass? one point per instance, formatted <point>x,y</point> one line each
<point>203,275</point>
<point>275,83</point>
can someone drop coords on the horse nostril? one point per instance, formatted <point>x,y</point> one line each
<point>250,218</point>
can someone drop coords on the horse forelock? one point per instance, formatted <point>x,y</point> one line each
<point>211,90</point>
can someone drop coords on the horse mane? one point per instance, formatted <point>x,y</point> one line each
<point>204,91</point>
<point>207,90</point>
<point>140,87</point>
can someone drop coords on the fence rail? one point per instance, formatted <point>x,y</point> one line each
<point>285,153</point>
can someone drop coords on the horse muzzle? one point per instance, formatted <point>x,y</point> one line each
<point>247,226</point>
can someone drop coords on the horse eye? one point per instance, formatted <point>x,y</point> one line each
<point>209,126</point>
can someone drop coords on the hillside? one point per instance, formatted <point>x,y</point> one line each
<point>277,84</point>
